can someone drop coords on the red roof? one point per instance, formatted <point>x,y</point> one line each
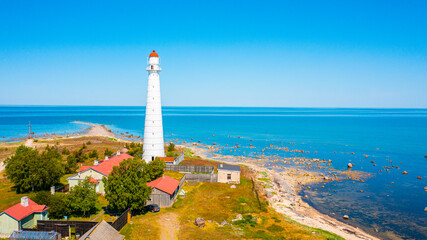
<point>165,184</point>
<point>106,167</point>
<point>168,159</point>
<point>93,180</point>
<point>153,54</point>
<point>19,212</point>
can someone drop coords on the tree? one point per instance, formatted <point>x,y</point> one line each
<point>65,151</point>
<point>59,204</point>
<point>83,197</point>
<point>71,165</point>
<point>108,152</point>
<point>154,169</point>
<point>30,171</point>
<point>93,154</point>
<point>135,149</point>
<point>171,147</point>
<point>126,186</point>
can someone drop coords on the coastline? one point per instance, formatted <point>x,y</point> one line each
<point>283,186</point>
<point>285,198</point>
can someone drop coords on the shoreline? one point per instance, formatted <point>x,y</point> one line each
<point>284,186</point>
<point>284,194</point>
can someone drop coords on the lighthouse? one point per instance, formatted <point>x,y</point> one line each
<point>153,131</point>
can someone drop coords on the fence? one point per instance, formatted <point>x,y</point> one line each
<point>63,189</point>
<point>194,177</point>
<point>179,158</point>
<point>122,220</point>
<point>63,227</point>
<point>80,227</point>
<point>190,168</point>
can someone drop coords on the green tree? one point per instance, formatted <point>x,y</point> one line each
<point>65,151</point>
<point>59,204</point>
<point>154,169</point>
<point>108,153</point>
<point>135,149</point>
<point>126,186</point>
<point>30,171</point>
<point>83,197</point>
<point>71,165</point>
<point>93,154</point>
<point>171,147</point>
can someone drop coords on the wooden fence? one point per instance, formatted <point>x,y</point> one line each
<point>80,227</point>
<point>63,227</point>
<point>63,189</point>
<point>195,177</point>
<point>122,220</point>
<point>190,168</point>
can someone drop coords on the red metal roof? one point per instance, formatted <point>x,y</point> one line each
<point>165,184</point>
<point>93,180</point>
<point>19,212</point>
<point>106,167</point>
<point>168,159</point>
<point>153,54</point>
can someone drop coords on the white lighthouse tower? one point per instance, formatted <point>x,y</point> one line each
<point>153,131</point>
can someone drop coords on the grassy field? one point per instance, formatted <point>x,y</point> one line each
<point>216,202</point>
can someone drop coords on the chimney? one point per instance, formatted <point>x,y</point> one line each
<point>52,190</point>
<point>106,158</point>
<point>24,201</point>
<point>118,153</point>
<point>95,163</point>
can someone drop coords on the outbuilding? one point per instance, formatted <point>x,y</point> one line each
<point>21,215</point>
<point>228,173</point>
<point>164,191</point>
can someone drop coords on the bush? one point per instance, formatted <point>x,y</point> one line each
<point>65,151</point>
<point>93,154</point>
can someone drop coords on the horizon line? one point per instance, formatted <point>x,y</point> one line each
<point>20,105</point>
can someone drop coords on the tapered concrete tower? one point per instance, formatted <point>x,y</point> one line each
<point>153,131</point>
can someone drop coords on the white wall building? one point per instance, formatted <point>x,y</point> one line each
<point>153,131</point>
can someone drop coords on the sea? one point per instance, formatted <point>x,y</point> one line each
<point>388,204</point>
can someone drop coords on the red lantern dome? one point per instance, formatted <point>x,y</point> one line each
<point>153,54</point>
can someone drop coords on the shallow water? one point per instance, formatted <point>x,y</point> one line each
<point>397,135</point>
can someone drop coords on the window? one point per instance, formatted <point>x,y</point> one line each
<point>229,176</point>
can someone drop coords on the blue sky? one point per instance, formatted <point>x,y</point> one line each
<point>215,53</point>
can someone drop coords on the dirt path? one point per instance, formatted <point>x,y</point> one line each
<point>169,225</point>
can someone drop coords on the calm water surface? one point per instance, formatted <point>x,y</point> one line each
<point>398,135</point>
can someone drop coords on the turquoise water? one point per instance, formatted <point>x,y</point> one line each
<point>383,209</point>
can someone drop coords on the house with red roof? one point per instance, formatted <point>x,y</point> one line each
<point>22,215</point>
<point>164,191</point>
<point>98,171</point>
<point>173,160</point>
